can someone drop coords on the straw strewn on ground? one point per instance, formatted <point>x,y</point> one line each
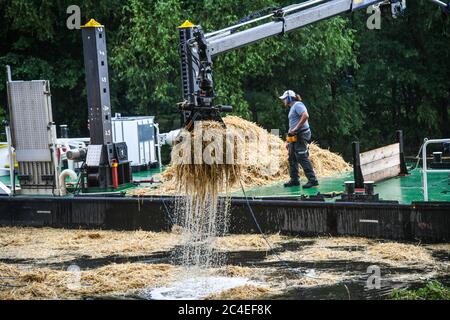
<point>44,283</point>
<point>247,292</point>
<point>238,271</point>
<point>207,171</point>
<point>363,250</point>
<point>401,252</point>
<point>58,245</point>
<point>247,242</point>
<point>37,274</point>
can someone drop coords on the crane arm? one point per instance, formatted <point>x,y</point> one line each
<point>284,20</point>
<point>444,6</point>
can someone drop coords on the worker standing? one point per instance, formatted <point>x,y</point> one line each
<point>299,137</point>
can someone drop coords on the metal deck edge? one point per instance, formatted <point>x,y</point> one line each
<point>427,222</point>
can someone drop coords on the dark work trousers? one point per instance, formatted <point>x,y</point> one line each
<point>299,153</point>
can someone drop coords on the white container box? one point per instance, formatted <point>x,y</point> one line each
<point>139,133</point>
<point>4,159</point>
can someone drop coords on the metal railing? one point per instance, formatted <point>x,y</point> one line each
<point>425,169</point>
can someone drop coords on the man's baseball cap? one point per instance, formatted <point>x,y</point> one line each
<point>288,93</point>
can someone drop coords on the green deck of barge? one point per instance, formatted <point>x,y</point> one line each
<point>404,189</point>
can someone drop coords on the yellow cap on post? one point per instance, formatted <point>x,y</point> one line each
<point>186,24</point>
<point>92,24</point>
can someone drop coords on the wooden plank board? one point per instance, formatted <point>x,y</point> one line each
<point>380,153</point>
<point>383,174</point>
<point>380,165</point>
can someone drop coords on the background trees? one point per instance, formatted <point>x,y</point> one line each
<point>357,83</point>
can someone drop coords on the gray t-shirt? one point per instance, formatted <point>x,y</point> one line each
<point>295,114</point>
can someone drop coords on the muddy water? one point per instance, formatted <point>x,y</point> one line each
<point>353,289</point>
<point>195,288</point>
<point>302,268</point>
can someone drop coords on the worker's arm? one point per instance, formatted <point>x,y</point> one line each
<point>301,122</point>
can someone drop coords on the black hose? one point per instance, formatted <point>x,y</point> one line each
<point>77,189</point>
<point>282,262</point>
<point>167,211</point>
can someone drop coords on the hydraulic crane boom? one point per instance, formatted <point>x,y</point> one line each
<point>198,48</point>
<point>284,20</point>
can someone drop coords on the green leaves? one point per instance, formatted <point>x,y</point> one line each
<point>433,290</point>
<point>145,56</point>
<point>356,83</point>
<point>403,78</point>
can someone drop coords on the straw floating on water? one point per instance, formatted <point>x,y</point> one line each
<point>46,245</point>
<point>44,283</point>
<point>401,252</point>
<point>246,292</point>
<point>37,248</point>
<point>247,242</point>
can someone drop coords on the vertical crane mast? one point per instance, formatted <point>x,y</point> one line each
<point>188,68</point>
<point>197,77</point>
<point>97,78</point>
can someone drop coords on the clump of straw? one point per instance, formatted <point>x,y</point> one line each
<point>246,292</point>
<point>48,245</point>
<point>248,242</point>
<point>260,158</point>
<point>205,161</point>
<point>401,252</point>
<point>237,271</point>
<point>114,279</point>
